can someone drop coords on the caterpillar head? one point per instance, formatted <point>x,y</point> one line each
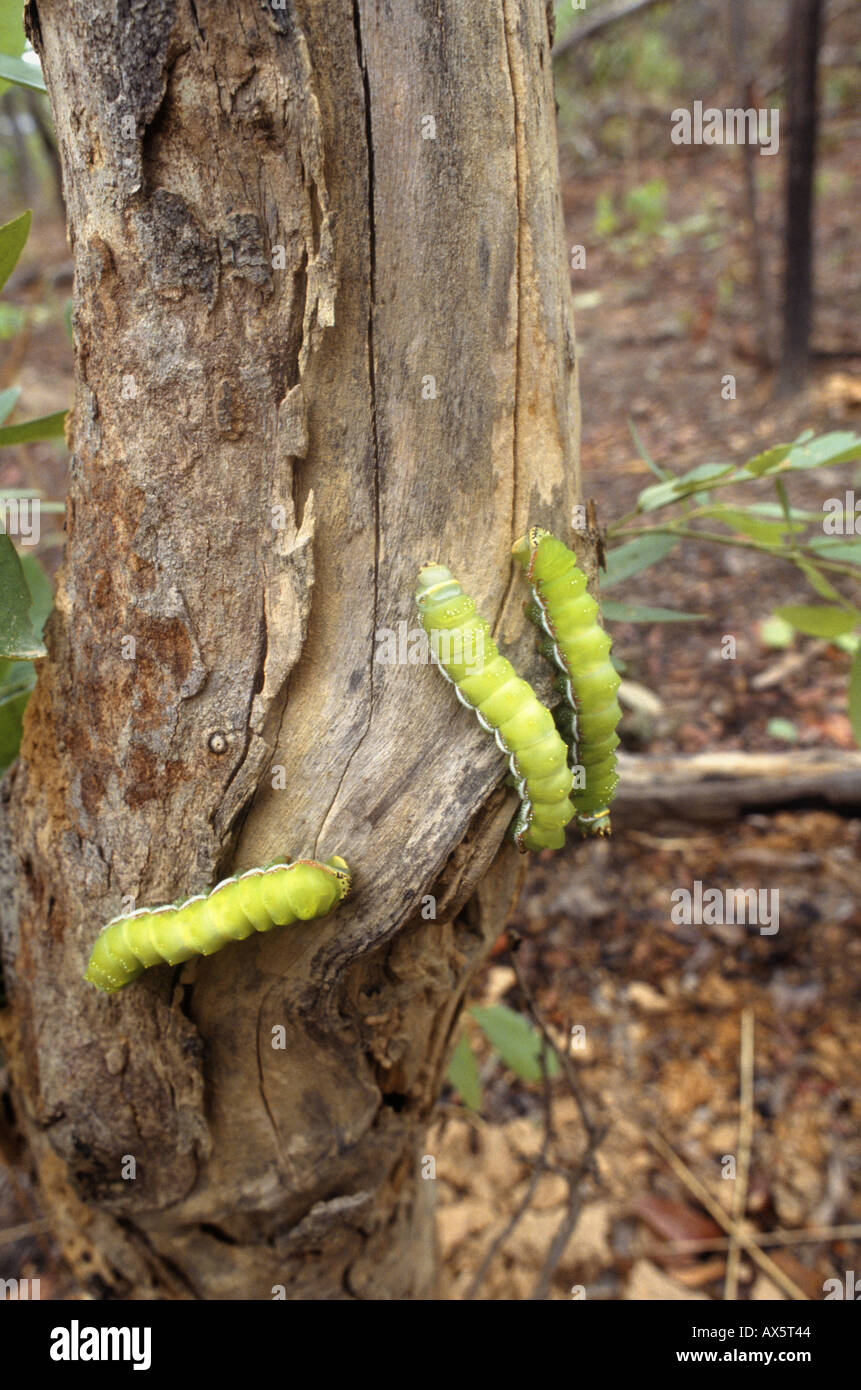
<point>341,871</point>
<point>598,823</point>
<point>525,550</point>
<point>436,582</point>
<point>440,599</point>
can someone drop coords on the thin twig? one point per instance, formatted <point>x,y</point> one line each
<point>560,1241</point>
<point>745,1144</point>
<point>523,1205</point>
<point>27,1228</point>
<point>453,1110</point>
<point>717,1213</point>
<point>569,1220</point>
<point>716,538</point>
<point>594,1134</point>
<point>717,1245</point>
<point>563,1059</point>
<point>498,1241</point>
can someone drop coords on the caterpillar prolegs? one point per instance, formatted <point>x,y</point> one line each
<point>505,705</point>
<point>274,896</point>
<point>579,648</point>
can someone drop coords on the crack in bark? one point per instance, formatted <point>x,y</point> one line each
<point>257,684</point>
<point>197,24</point>
<point>261,1080</point>
<point>372,384</point>
<point>518,261</point>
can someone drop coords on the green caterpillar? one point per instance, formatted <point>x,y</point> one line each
<point>578,646</point>
<point>274,896</point>
<point>504,704</point>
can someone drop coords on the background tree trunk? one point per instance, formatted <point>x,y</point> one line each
<point>803,36</point>
<point>275,249</point>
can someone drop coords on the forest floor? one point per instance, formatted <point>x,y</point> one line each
<point>665,311</point>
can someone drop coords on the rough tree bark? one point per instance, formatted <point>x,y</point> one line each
<point>275,249</point>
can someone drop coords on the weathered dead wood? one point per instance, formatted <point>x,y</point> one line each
<point>323,333</point>
<point>710,788</point>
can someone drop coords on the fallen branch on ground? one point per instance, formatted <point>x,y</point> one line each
<point>719,787</point>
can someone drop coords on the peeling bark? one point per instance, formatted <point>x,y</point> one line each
<point>270,262</point>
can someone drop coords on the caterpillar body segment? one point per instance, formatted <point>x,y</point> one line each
<point>579,648</point>
<point>256,901</point>
<point>504,704</point>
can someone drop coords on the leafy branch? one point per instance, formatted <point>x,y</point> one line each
<point>819,544</point>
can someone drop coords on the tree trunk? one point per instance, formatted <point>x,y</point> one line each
<point>745,84</point>
<point>803,59</point>
<point>323,334</point>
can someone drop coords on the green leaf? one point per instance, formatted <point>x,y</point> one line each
<point>855,696</point>
<point>12,709</point>
<point>763,463</point>
<point>13,40</point>
<point>16,676</point>
<point>776,632</point>
<point>759,528</point>
<point>701,475</point>
<point>41,591</point>
<point>13,237</point>
<point>45,427</point>
<point>817,581</point>
<point>697,480</point>
<point>517,1042</point>
<point>463,1074</point>
<point>7,402</point>
<point>22,74</point>
<point>12,320</point>
<point>774,509</point>
<point>783,729</point>
<point>18,640</point>
<point>830,549</point>
<point>841,446</point>
<point>604,221</point>
<point>656,495</point>
<point>12,37</point>
<point>634,613</point>
<point>820,620</point>
<point>644,454</point>
<point>634,556</point>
